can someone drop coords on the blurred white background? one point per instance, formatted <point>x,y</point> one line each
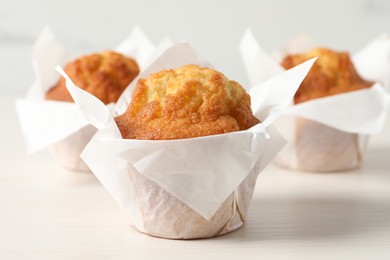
<point>214,28</point>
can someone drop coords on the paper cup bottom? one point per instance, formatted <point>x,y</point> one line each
<point>320,148</point>
<point>160,214</point>
<point>67,151</point>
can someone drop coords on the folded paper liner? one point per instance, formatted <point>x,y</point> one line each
<point>59,125</point>
<point>187,188</point>
<point>330,133</point>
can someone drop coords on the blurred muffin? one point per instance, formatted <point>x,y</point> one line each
<point>332,73</point>
<point>318,147</point>
<point>183,103</point>
<point>104,75</point>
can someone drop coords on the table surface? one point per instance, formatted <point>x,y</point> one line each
<point>50,213</point>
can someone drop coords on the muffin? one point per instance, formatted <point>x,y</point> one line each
<point>333,73</point>
<point>187,102</point>
<point>184,103</point>
<point>320,147</point>
<point>104,75</point>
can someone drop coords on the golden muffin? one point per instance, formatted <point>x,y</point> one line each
<point>318,147</point>
<point>332,73</point>
<point>104,75</point>
<point>186,102</point>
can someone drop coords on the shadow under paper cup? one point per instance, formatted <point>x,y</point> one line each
<point>67,151</point>
<point>162,215</point>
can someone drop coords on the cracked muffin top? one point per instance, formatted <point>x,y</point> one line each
<point>186,102</point>
<point>104,75</point>
<point>332,73</point>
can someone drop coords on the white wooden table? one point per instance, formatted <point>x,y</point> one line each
<point>47,212</point>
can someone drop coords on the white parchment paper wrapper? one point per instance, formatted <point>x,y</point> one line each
<point>188,188</point>
<point>59,125</point>
<point>330,133</point>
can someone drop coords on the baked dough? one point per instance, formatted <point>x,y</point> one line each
<point>104,75</point>
<point>186,102</point>
<point>332,73</point>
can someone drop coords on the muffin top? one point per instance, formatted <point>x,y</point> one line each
<point>186,102</point>
<point>332,73</point>
<point>104,75</point>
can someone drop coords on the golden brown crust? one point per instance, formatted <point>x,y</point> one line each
<point>332,73</point>
<point>104,75</point>
<point>184,103</point>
